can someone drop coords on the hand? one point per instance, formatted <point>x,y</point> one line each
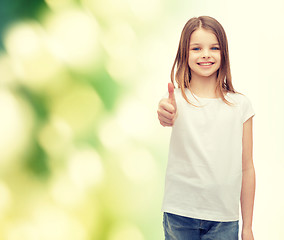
<point>167,110</point>
<point>247,234</point>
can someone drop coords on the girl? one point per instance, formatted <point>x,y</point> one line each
<point>210,164</point>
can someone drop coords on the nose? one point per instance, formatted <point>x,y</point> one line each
<point>205,53</point>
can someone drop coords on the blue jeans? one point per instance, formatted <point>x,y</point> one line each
<point>184,228</point>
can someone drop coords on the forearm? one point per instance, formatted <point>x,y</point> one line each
<point>247,196</point>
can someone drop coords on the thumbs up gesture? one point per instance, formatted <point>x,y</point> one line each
<point>167,109</point>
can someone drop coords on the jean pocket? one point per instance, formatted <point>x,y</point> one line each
<point>177,221</point>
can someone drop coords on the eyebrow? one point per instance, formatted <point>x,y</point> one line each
<point>201,44</point>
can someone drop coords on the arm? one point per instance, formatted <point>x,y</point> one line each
<point>248,181</point>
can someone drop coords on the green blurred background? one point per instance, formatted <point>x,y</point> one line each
<point>82,155</point>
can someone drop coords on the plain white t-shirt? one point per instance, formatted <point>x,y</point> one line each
<point>204,172</point>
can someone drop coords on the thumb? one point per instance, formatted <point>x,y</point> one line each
<point>171,94</point>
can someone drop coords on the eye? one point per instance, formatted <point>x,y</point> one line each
<point>196,49</point>
<point>215,48</point>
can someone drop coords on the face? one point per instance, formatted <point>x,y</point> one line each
<point>204,54</point>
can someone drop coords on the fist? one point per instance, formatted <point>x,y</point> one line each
<point>167,109</point>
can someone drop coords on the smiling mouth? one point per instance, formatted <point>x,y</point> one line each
<point>205,64</point>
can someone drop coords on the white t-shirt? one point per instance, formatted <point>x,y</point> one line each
<point>204,172</point>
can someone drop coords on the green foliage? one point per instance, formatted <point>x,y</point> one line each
<point>73,141</point>
<point>16,10</point>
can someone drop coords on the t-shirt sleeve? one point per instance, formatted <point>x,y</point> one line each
<point>247,110</point>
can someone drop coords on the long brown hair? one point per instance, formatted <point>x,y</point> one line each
<point>183,74</point>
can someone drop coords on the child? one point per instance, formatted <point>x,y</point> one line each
<point>210,164</point>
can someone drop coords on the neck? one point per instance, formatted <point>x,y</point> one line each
<point>204,86</point>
